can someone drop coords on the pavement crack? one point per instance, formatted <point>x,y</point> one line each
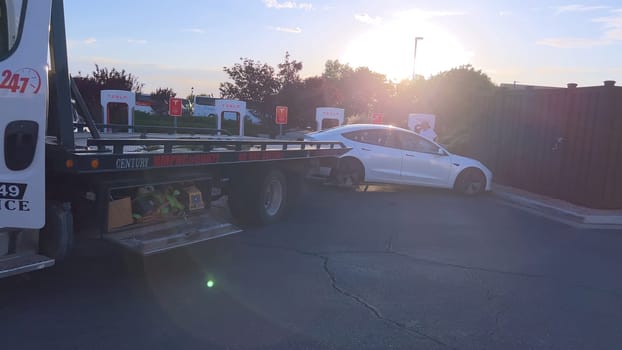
<point>574,284</point>
<point>373,309</point>
<point>612,292</point>
<point>342,291</point>
<point>359,300</point>
<point>466,267</point>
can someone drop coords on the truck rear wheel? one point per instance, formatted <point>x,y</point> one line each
<point>259,201</point>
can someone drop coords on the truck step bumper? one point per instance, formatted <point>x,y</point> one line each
<point>20,263</point>
<point>172,234</point>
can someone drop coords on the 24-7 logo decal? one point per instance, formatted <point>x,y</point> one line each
<point>25,80</point>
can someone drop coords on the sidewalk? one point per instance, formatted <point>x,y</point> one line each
<point>558,208</point>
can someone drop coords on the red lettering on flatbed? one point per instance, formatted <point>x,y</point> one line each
<point>184,159</point>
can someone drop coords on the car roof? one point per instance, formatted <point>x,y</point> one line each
<point>355,127</point>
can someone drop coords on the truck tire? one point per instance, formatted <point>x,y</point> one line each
<point>56,238</point>
<point>237,206</point>
<point>259,201</point>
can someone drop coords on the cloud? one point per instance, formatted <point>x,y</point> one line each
<point>612,33</point>
<point>505,13</point>
<point>193,30</point>
<point>612,25</point>
<point>180,79</point>
<point>288,4</point>
<point>572,43</point>
<point>295,30</point>
<point>420,14</point>
<point>367,19</point>
<point>137,41</point>
<point>578,8</point>
<point>71,43</point>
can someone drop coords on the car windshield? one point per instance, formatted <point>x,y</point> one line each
<point>267,174</point>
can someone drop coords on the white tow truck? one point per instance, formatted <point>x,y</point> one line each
<point>148,192</point>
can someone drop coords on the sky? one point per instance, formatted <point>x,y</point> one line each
<point>185,45</point>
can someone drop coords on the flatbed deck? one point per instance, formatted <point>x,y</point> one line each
<point>122,151</point>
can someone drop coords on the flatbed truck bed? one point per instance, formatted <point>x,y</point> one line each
<point>147,191</point>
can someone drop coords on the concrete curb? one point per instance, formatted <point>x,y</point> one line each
<point>558,208</point>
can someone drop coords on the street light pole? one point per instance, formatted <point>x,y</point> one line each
<point>415,56</point>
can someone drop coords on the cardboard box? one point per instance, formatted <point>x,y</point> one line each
<point>120,213</point>
<point>193,200</point>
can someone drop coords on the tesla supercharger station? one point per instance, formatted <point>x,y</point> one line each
<point>329,113</point>
<point>415,119</point>
<point>224,108</point>
<point>118,96</point>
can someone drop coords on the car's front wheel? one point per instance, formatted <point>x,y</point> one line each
<point>470,182</point>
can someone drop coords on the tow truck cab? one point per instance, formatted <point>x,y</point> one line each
<point>23,105</point>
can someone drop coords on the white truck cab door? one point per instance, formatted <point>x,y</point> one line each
<point>24,35</point>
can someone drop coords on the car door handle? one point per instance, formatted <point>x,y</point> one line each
<point>365,149</point>
<point>410,155</point>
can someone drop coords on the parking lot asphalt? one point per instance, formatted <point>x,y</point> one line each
<point>391,268</point>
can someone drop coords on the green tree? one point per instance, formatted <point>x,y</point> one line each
<point>160,97</point>
<point>359,91</point>
<point>114,79</point>
<point>365,92</point>
<point>289,71</point>
<point>405,99</point>
<point>163,94</point>
<point>102,78</point>
<point>252,81</point>
<point>333,69</point>
<point>455,97</point>
<point>303,98</point>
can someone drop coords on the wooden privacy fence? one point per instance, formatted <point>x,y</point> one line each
<point>565,143</point>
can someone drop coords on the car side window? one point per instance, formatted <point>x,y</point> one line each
<point>416,143</point>
<point>372,137</point>
<point>393,140</point>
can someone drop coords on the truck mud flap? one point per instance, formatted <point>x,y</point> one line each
<point>158,238</point>
<point>20,263</point>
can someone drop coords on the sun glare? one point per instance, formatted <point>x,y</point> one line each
<point>388,48</point>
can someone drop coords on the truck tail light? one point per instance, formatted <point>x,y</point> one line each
<point>94,163</point>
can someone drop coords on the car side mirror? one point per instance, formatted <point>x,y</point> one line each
<point>441,152</point>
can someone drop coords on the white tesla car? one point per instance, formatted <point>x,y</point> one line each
<point>387,154</point>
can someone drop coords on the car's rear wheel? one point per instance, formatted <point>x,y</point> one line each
<point>350,173</point>
<point>470,182</point>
